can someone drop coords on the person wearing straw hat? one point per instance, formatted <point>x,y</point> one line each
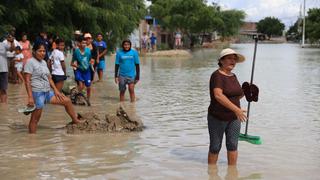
<point>224,112</point>
<point>75,41</point>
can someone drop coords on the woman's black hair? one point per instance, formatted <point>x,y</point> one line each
<point>126,41</point>
<point>18,48</point>
<point>59,40</point>
<point>37,46</point>
<point>81,38</point>
<point>23,34</point>
<point>219,61</point>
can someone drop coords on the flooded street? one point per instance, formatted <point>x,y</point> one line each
<point>173,98</point>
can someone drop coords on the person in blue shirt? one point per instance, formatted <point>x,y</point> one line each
<point>127,69</point>
<point>82,63</point>
<point>101,52</point>
<point>153,40</point>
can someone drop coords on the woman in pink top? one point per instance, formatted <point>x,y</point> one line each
<point>26,48</point>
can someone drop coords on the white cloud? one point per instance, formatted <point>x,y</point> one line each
<point>286,10</point>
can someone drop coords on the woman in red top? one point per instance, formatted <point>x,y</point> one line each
<point>26,48</point>
<point>224,113</point>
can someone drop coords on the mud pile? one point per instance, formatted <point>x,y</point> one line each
<point>170,53</point>
<point>92,123</point>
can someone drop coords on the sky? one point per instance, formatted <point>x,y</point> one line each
<point>286,10</point>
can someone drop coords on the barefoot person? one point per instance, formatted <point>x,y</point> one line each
<point>38,82</point>
<point>224,113</point>
<point>127,69</point>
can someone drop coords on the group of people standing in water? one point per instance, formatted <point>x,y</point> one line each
<point>43,74</point>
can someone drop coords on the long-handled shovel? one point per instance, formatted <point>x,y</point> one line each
<point>245,137</point>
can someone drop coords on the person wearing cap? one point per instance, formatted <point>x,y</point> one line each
<point>77,32</point>
<point>88,38</point>
<point>127,69</point>
<point>101,52</point>
<point>93,50</point>
<point>75,41</point>
<point>224,112</point>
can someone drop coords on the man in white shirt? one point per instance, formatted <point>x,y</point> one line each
<point>11,44</point>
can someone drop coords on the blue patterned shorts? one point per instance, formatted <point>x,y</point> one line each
<point>41,98</point>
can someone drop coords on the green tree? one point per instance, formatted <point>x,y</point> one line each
<point>62,17</point>
<point>313,25</point>
<point>232,21</point>
<point>195,16</point>
<point>209,20</point>
<point>294,32</point>
<point>270,26</point>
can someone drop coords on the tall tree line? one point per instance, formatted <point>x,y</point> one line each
<point>312,27</point>
<point>270,26</point>
<point>193,17</point>
<point>62,17</point>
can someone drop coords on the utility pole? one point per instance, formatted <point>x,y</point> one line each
<point>304,23</point>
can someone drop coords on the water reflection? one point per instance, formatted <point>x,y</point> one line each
<point>232,173</point>
<point>61,156</point>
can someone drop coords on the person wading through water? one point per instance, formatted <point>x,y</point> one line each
<point>224,112</point>
<point>127,70</point>
<point>38,82</point>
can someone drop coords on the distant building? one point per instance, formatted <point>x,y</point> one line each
<point>150,25</point>
<point>249,30</point>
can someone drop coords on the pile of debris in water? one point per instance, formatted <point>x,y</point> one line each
<point>92,123</point>
<point>77,97</point>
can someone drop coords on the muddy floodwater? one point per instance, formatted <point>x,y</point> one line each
<point>172,103</point>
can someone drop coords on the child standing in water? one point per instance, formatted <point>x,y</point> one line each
<point>82,61</point>
<point>127,69</point>
<point>58,66</point>
<point>18,63</point>
<point>101,52</point>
